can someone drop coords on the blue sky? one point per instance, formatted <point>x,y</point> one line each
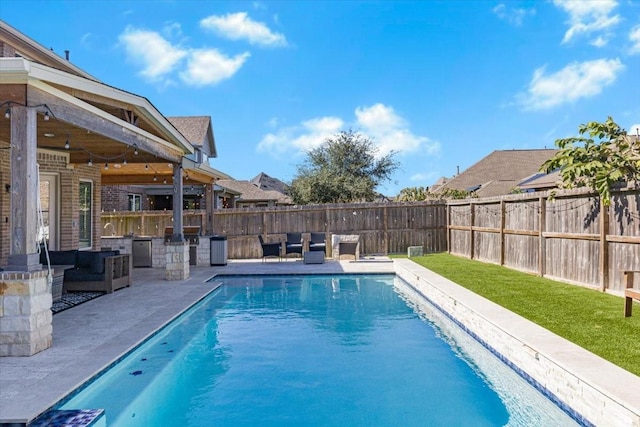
<point>443,83</point>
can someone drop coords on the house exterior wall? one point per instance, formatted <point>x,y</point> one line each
<point>69,181</point>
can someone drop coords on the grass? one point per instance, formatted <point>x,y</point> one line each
<point>586,317</point>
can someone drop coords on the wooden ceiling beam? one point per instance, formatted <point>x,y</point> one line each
<point>70,113</point>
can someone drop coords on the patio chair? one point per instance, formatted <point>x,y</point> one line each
<point>293,245</point>
<point>269,249</point>
<point>318,243</point>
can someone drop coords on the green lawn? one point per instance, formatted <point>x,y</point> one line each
<point>589,318</point>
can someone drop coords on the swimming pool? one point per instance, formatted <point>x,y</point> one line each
<point>314,350</point>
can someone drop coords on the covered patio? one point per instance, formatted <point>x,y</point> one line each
<point>63,135</point>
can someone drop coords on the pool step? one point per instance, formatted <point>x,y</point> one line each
<point>71,418</point>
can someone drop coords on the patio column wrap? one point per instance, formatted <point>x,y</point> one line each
<point>25,313</point>
<point>24,190</point>
<point>177,257</point>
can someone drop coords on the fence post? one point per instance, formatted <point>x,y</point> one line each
<point>448,227</point>
<point>386,229</point>
<point>604,247</point>
<point>502,224</point>
<point>472,218</point>
<point>542,244</point>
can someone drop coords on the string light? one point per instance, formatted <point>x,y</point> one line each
<point>89,163</point>
<point>106,166</point>
<point>66,144</point>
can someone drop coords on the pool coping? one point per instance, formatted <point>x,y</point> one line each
<point>589,388</point>
<point>89,338</point>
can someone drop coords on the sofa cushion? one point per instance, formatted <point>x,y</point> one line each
<point>82,275</point>
<point>60,257</point>
<point>92,261</point>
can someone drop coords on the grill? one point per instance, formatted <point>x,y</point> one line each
<point>190,233</point>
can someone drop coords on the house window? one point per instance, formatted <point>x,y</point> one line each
<point>135,202</point>
<point>86,208</point>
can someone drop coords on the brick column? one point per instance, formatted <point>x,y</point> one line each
<point>25,313</point>
<point>177,257</point>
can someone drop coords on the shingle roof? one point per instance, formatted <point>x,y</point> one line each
<point>265,182</point>
<point>194,128</point>
<point>499,172</point>
<point>250,193</point>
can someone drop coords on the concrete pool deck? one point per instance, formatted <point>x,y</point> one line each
<point>90,336</point>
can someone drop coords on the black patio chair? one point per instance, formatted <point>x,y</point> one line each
<point>318,242</point>
<point>293,245</point>
<point>269,249</point>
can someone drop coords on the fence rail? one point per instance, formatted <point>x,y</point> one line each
<point>573,238</point>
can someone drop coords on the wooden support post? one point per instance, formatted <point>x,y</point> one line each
<point>629,293</point>
<point>604,246</point>
<point>385,218</point>
<point>177,235</point>
<point>448,228</point>
<point>24,190</point>
<point>472,218</point>
<point>542,243</point>
<point>502,224</point>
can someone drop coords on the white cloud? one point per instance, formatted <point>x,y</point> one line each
<point>388,132</point>
<point>514,16</point>
<point>85,40</point>
<point>575,81</point>
<point>306,136</point>
<point>172,29</point>
<point>149,49</point>
<point>209,67</point>
<point>586,17</point>
<point>634,37</point>
<point>634,129</point>
<point>160,59</point>
<point>599,41</point>
<point>238,26</point>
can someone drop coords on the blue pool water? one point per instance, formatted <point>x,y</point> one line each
<point>314,351</point>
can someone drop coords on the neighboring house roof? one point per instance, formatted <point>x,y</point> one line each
<point>265,182</point>
<point>198,131</point>
<point>540,182</point>
<point>251,193</point>
<point>499,173</point>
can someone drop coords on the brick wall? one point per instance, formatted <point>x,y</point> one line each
<point>69,181</point>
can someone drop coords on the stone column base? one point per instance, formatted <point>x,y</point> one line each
<point>25,313</point>
<point>177,256</point>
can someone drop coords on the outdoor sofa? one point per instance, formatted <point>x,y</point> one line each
<point>103,271</point>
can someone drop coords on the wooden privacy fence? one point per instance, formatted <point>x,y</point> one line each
<point>147,223</point>
<point>573,238</point>
<point>383,228</point>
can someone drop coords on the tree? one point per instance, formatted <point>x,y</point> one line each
<point>345,168</point>
<point>413,194</point>
<point>598,164</point>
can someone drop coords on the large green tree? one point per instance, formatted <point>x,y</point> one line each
<point>600,157</point>
<point>345,168</point>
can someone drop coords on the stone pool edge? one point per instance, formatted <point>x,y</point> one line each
<point>591,389</point>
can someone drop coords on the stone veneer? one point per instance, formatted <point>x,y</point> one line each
<point>25,313</point>
<point>581,397</point>
<point>336,239</point>
<point>177,257</point>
